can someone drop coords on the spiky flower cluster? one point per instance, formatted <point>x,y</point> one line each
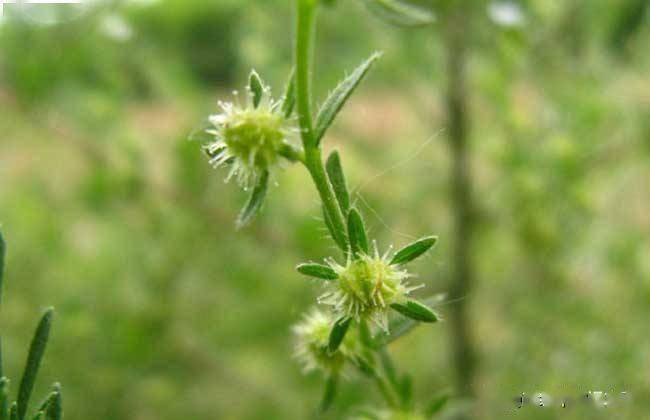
<point>366,288</point>
<point>251,136</point>
<point>312,339</point>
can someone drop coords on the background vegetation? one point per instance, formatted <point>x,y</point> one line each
<point>164,311</point>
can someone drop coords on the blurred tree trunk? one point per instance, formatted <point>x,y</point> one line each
<point>462,279</point>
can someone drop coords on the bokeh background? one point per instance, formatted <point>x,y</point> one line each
<point>165,311</point>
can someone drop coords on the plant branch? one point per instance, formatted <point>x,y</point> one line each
<point>306,12</point>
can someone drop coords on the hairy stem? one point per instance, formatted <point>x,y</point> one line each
<point>306,12</point>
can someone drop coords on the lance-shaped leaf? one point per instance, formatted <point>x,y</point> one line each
<point>255,201</point>
<point>36,352</point>
<point>398,13</point>
<point>357,233</point>
<point>400,325</point>
<point>46,403</point>
<point>289,100</point>
<point>413,250</point>
<point>39,415</point>
<point>330,392</point>
<point>339,96</point>
<point>13,411</point>
<point>54,409</point>
<point>337,334</point>
<point>256,87</point>
<point>336,177</point>
<point>416,311</point>
<point>364,365</point>
<point>320,271</point>
<point>338,236</point>
<point>3,248</point>
<point>4,398</point>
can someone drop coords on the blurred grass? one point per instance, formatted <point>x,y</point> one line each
<point>165,311</point>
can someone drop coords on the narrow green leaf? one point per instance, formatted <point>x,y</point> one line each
<point>400,326</point>
<point>357,233</point>
<point>334,233</point>
<point>339,96</point>
<point>39,415</point>
<point>55,407</point>
<point>320,271</point>
<point>416,311</point>
<point>3,250</point>
<point>398,13</point>
<point>256,87</point>
<point>336,177</point>
<point>4,399</point>
<point>255,201</point>
<point>289,101</point>
<point>331,387</point>
<point>337,334</point>
<point>436,405</point>
<point>414,250</point>
<point>13,412</point>
<point>36,352</point>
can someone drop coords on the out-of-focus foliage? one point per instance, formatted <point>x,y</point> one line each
<point>121,53</point>
<point>165,312</point>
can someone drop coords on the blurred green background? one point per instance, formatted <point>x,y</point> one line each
<point>164,311</point>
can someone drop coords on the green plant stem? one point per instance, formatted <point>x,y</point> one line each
<point>306,18</point>
<point>306,12</point>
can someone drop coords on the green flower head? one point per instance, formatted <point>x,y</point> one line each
<point>312,337</point>
<point>366,287</point>
<point>252,137</point>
